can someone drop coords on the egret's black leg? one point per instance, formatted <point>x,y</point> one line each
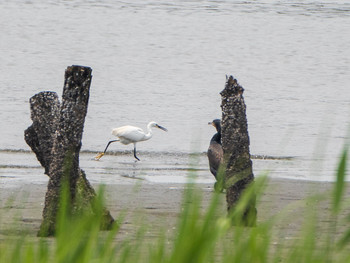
<point>109,144</point>
<point>135,152</point>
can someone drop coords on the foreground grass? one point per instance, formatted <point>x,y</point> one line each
<point>200,236</point>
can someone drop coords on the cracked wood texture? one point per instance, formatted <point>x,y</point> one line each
<point>235,143</point>
<point>55,137</point>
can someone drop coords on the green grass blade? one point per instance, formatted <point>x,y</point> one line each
<point>340,181</point>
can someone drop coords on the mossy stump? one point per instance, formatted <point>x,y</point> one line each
<point>235,143</point>
<point>55,137</point>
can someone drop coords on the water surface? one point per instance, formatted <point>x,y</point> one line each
<point>167,61</point>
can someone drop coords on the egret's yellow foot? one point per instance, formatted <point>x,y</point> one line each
<point>99,156</point>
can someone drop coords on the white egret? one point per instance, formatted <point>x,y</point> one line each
<point>131,134</point>
<point>215,152</point>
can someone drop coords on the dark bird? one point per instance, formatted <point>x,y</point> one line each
<point>215,152</point>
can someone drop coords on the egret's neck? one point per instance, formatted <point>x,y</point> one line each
<point>149,133</point>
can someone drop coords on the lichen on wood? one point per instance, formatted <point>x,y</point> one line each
<point>55,137</point>
<point>235,142</point>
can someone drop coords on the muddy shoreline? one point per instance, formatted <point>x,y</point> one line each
<point>158,206</point>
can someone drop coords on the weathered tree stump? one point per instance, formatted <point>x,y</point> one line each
<point>235,143</point>
<point>55,137</point>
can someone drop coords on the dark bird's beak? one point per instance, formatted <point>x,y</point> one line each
<point>211,123</point>
<point>162,128</point>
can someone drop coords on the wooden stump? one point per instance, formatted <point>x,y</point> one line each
<point>235,143</point>
<point>55,137</point>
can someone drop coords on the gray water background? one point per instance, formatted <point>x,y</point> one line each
<point>167,60</point>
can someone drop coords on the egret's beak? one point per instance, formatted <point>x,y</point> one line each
<point>162,128</point>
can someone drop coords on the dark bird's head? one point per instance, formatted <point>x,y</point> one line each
<point>217,124</point>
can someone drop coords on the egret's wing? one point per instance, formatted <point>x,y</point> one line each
<point>129,134</point>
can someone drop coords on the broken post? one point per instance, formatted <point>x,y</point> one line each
<point>235,143</point>
<point>55,137</point>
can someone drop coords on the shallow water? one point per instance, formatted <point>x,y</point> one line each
<point>18,168</point>
<point>154,60</point>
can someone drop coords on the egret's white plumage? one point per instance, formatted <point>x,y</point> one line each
<point>131,134</point>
